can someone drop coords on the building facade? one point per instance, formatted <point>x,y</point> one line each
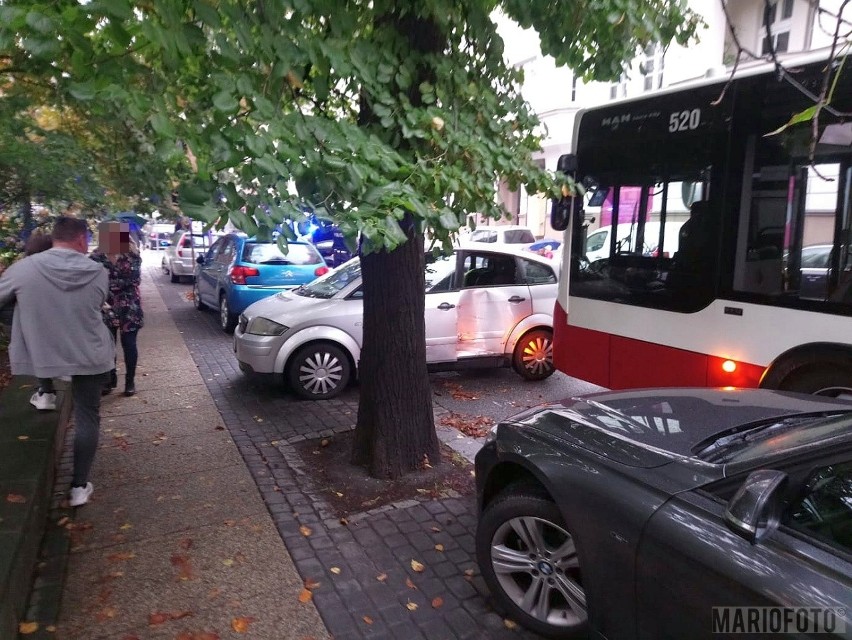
<point>556,94</point>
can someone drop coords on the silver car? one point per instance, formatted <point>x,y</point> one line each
<point>179,258</point>
<point>483,306</point>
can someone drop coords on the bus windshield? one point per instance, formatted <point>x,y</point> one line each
<point>713,246</point>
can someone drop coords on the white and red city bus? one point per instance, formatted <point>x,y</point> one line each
<point>757,289</point>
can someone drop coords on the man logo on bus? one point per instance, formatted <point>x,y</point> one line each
<point>615,121</point>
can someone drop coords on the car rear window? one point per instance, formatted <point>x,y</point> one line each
<point>197,242</point>
<point>269,253</point>
<point>483,236</point>
<point>519,236</point>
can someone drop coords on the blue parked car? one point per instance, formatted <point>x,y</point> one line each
<point>238,271</point>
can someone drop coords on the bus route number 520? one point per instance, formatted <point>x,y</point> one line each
<point>684,120</point>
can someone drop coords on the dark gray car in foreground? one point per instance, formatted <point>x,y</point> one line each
<point>653,513</point>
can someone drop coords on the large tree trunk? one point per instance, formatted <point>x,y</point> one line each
<point>395,433</point>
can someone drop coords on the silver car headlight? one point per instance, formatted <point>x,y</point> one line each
<point>265,327</point>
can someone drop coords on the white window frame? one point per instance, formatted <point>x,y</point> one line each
<point>779,26</point>
<point>652,67</point>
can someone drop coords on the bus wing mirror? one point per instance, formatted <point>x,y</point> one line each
<point>567,163</point>
<point>560,212</point>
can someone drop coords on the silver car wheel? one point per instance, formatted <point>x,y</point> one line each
<point>538,355</point>
<point>533,355</point>
<point>536,565</point>
<point>320,372</point>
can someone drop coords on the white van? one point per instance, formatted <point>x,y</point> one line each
<point>598,241</point>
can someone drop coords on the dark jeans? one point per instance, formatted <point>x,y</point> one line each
<point>86,393</point>
<point>128,347</point>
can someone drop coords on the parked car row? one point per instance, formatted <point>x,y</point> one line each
<point>493,305</point>
<point>237,271</point>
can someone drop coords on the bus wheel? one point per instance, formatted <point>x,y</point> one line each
<point>834,383</point>
<point>533,356</point>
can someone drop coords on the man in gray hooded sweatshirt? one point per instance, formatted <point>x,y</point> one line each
<point>58,330</point>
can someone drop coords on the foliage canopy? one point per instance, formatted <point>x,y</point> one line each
<point>241,100</point>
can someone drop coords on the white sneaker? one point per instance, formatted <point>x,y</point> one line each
<point>81,495</point>
<point>43,401</point>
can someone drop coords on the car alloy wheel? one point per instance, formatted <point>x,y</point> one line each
<point>227,320</point>
<point>530,563</point>
<point>533,356</point>
<point>319,371</point>
<point>196,297</point>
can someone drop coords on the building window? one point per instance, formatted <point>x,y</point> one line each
<point>775,26</point>
<point>618,89</point>
<point>652,65</point>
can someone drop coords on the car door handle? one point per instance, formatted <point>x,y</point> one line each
<point>516,299</point>
<point>446,306</point>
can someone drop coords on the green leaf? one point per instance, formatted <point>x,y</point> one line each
<point>193,194</point>
<point>393,231</point>
<point>83,90</point>
<point>448,220</point>
<point>226,103</point>
<point>208,14</point>
<point>802,116</point>
<point>40,22</point>
<point>162,126</point>
<point>243,222</point>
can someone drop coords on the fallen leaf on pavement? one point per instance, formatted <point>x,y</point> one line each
<point>436,529</point>
<point>305,596</point>
<point>411,606</point>
<point>183,565</point>
<point>510,624</point>
<point>159,617</point>
<point>26,628</point>
<point>437,602</point>
<point>15,498</point>
<point>228,562</point>
<point>473,426</point>
<point>311,584</point>
<point>439,547</point>
<point>107,613</point>
<point>382,577</point>
<point>305,531</point>
<point>335,570</point>
<point>410,584</point>
<point>367,619</point>
<point>417,566</point>
<point>241,624</point>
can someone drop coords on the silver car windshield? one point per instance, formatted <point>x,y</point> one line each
<point>333,282</point>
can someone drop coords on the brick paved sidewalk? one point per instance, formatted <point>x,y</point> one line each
<point>344,560</point>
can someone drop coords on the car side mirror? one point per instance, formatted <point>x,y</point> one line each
<point>200,259</point>
<point>755,510</point>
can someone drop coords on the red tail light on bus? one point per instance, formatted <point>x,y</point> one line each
<point>239,274</point>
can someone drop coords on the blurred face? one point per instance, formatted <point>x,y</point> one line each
<point>114,237</point>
